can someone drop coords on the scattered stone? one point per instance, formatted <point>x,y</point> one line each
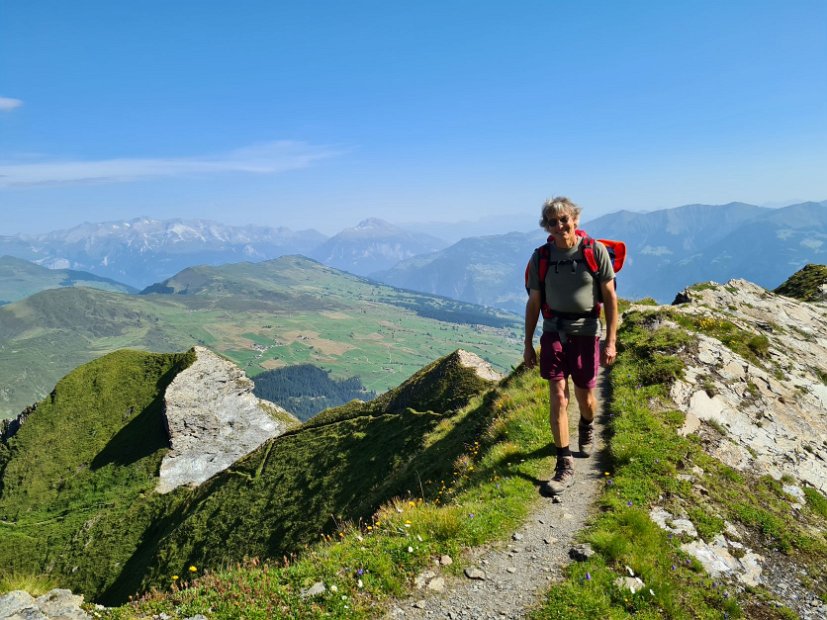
<point>436,585</point>
<point>472,572</point>
<point>423,578</point>
<point>632,584</point>
<point>314,590</point>
<point>516,536</point>
<point>419,605</point>
<point>581,553</point>
<point>511,570</point>
<point>445,560</point>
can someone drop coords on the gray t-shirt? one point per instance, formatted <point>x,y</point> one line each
<point>570,287</point>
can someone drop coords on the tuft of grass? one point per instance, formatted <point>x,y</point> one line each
<point>816,501</point>
<point>35,584</point>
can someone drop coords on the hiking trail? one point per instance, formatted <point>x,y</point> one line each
<point>519,571</point>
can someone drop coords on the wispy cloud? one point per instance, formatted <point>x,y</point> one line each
<point>267,158</point>
<point>7,104</point>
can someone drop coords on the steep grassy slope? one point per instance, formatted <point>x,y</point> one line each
<point>262,316</point>
<point>19,278</point>
<point>808,284</point>
<point>77,497</point>
<point>80,463</point>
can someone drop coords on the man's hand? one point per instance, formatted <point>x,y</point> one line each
<point>608,354</point>
<point>529,356</point>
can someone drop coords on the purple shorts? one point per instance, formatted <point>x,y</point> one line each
<point>578,357</point>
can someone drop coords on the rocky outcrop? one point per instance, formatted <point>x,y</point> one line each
<point>213,419</point>
<point>771,413</point>
<point>54,605</point>
<point>446,385</point>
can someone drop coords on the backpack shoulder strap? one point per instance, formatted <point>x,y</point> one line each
<point>543,254</point>
<point>587,247</point>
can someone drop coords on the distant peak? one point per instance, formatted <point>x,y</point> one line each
<point>373,222</point>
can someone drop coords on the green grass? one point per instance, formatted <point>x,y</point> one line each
<point>805,284</point>
<point>77,470</point>
<point>34,584</point>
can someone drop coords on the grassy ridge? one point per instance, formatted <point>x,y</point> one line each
<point>20,278</point>
<point>78,467</point>
<point>263,316</point>
<point>85,509</point>
<point>806,283</point>
<point>491,488</point>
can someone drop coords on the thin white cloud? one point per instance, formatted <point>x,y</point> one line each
<point>7,104</point>
<point>267,158</point>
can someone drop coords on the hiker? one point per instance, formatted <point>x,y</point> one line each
<point>570,344</point>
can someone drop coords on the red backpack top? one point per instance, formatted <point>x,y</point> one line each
<point>617,254</point>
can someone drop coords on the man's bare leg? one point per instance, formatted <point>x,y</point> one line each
<point>559,416</point>
<point>587,402</point>
<point>559,419</point>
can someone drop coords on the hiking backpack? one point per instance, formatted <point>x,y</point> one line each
<point>617,254</point>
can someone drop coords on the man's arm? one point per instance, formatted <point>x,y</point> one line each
<point>532,314</point>
<point>610,304</point>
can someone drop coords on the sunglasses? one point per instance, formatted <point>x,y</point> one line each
<point>552,221</point>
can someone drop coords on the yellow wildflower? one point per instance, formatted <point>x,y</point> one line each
<point>193,569</point>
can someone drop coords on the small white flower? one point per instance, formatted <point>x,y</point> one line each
<point>410,549</point>
<point>334,588</point>
<point>359,584</point>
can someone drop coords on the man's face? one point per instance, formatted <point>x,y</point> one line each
<point>562,227</point>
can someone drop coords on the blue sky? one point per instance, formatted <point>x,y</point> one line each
<point>319,114</point>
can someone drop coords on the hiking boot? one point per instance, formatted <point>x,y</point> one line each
<point>563,476</point>
<point>585,437</point>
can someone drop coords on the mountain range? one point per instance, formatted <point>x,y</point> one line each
<point>692,243</point>
<point>142,251</point>
<point>684,244</point>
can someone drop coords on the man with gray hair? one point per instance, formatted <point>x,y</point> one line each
<point>570,299</point>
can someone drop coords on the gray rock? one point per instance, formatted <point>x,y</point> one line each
<point>632,584</point>
<point>581,553</point>
<point>213,419</point>
<point>314,590</point>
<point>473,572</point>
<point>62,604</point>
<point>15,601</point>
<point>446,560</point>
<point>436,585</point>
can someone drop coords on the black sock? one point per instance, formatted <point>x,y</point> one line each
<point>564,451</point>
<point>584,423</point>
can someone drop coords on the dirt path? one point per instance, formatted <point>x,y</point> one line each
<point>518,572</point>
